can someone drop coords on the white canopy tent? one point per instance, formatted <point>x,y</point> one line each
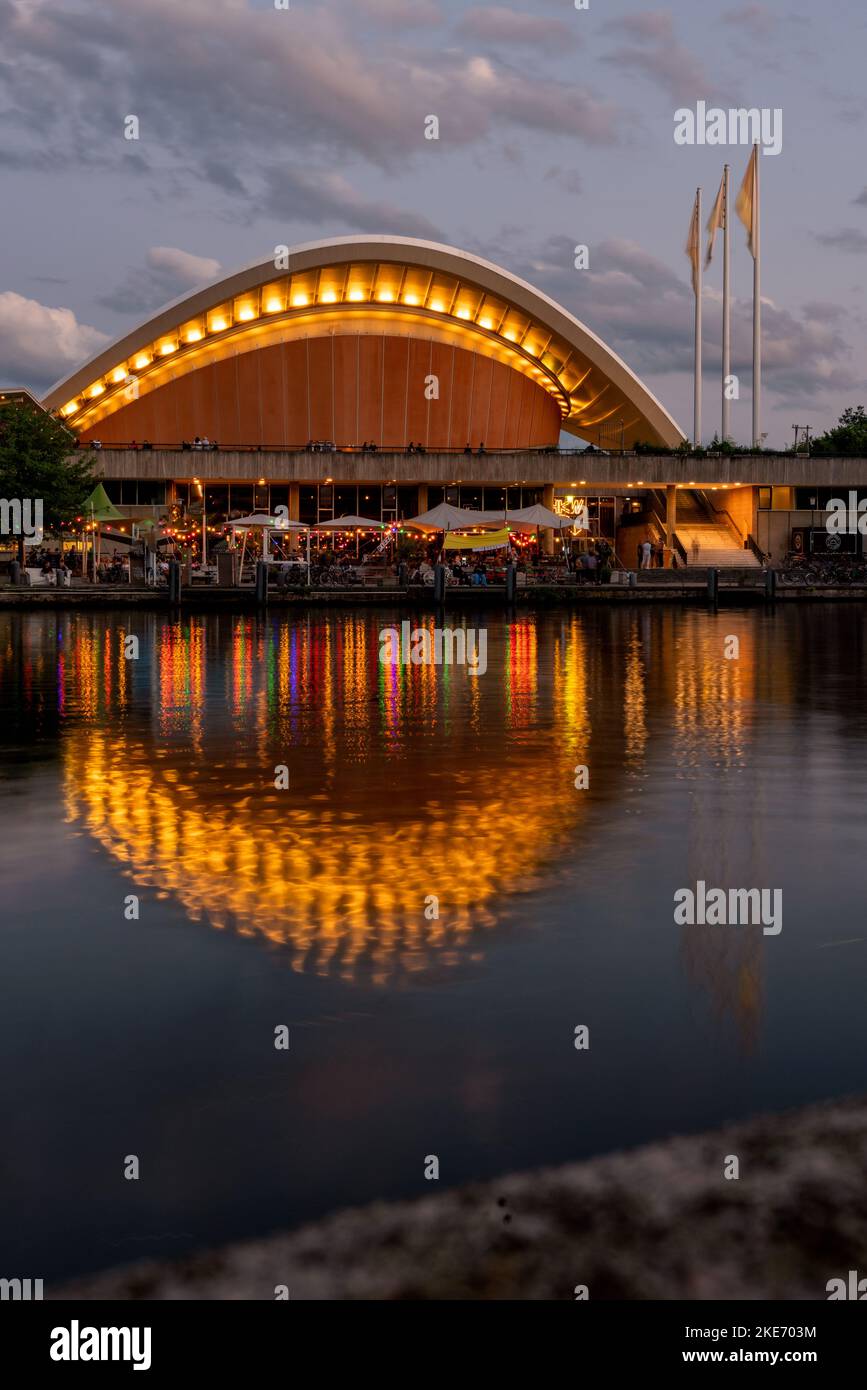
<point>528,518</point>
<point>445,517</point>
<point>351,523</point>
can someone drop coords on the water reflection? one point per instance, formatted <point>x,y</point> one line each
<point>405,782</point>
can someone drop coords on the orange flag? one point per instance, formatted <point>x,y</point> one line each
<point>717,219</point>
<point>692,245</point>
<point>747,205</point>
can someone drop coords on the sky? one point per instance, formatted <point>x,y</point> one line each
<point>261,127</point>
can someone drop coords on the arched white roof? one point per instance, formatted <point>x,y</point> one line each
<point>595,387</point>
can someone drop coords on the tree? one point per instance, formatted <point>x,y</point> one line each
<point>38,461</point>
<point>849,435</point>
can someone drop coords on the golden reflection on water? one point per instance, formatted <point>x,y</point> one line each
<point>405,781</point>
<point>340,873</point>
<point>712,695</point>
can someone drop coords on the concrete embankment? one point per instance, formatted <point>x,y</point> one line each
<point>686,591</point>
<point>661,1222</point>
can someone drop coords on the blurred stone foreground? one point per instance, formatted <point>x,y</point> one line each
<point>660,1222</point>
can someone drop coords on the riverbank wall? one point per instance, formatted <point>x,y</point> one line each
<point>661,1222</point>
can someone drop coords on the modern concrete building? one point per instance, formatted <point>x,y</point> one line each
<point>365,346</point>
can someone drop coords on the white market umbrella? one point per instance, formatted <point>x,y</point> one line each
<point>351,523</point>
<point>445,517</point>
<point>538,515</point>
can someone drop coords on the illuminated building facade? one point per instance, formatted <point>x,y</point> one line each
<point>382,340</point>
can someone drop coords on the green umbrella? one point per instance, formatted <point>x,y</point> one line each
<point>100,506</point>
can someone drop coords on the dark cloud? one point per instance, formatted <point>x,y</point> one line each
<point>305,196</point>
<point>757,20</point>
<point>217,84</point>
<point>567,179</point>
<point>408,14</point>
<point>649,47</point>
<point>167,273</point>
<point>644,311</point>
<point>847,239</point>
<point>494,24</point>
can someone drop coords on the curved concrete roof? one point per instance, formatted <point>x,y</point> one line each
<point>453,291</point>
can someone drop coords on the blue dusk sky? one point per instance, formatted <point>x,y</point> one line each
<point>261,126</point>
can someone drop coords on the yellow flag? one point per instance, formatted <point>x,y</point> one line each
<point>692,245</point>
<point>747,205</point>
<point>717,219</point>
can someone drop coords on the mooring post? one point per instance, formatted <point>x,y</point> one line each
<point>712,585</point>
<point>261,582</point>
<point>511,581</point>
<point>174,582</point>
<point>633,579</point>
<point>770,584</point>
<point>440,584</point>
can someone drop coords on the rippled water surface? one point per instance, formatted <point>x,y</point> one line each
<point>311,907</point>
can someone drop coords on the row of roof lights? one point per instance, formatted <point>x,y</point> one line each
<point>273,304</point>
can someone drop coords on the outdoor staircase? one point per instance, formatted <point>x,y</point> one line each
<point>718,548</point>
<point>719,545</point>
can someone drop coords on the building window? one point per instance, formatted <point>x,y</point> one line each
<point>279,498</point>
<point>241,499</point>
<point>370,501</point>
<point>151,494</point>
<point>407,502</point>
<point>346,501</point>
<point>308,505</point>
<point>217,502</point>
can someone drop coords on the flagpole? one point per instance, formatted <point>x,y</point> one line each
<point>696,415</point>
<point>757,316</point>
<point>726,325</point>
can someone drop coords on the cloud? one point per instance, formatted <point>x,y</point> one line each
<point>215,84</point>
<point>644,311</point>
<point>493,24</point>
<point>757,20</point>
<point>401,13</point>
<point>567,179</point>
<point>847,239</point>
<point>823,311</point>
<point>39,344</point>
<point>861,200</point>
<point>168,272</point>
<point>304,195</point>
<point>651,49</point>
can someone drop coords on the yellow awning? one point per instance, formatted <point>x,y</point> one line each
<point>490,540</point>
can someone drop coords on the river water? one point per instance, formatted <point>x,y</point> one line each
<point>430,907</point>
